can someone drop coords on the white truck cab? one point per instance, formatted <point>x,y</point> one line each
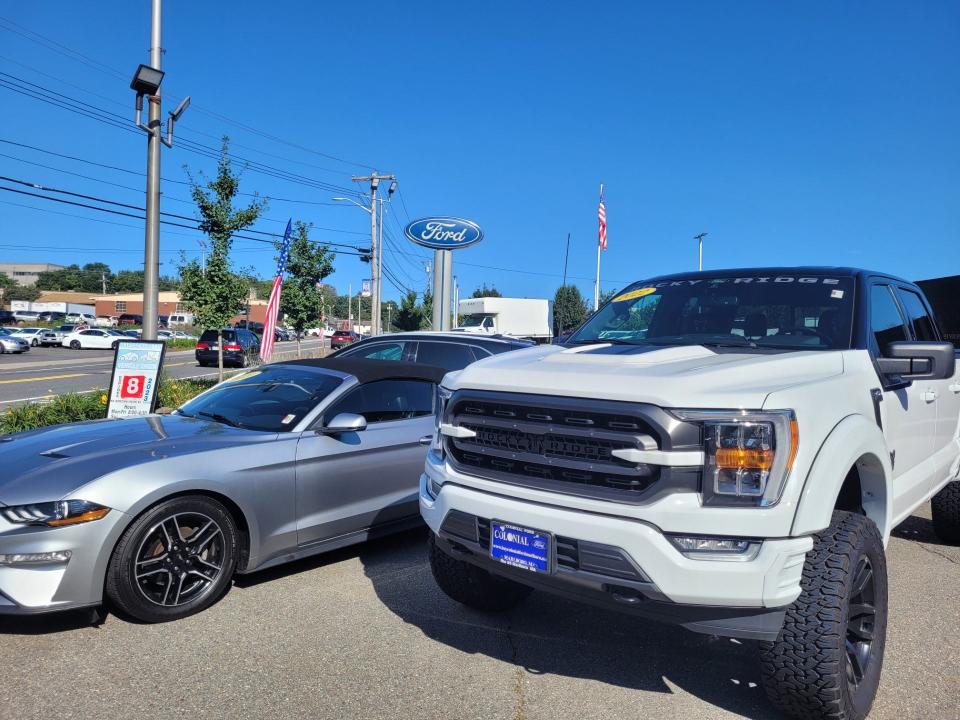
<point>728,451</point>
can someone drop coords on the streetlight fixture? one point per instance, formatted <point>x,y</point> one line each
<point>146,80</point>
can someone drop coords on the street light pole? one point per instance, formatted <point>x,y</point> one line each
<point>375,255</point>
<point>699,238</point>
<point>151,245</point>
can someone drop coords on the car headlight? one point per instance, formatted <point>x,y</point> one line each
<point>748,454</point>
<point>440,408</point>
<point>54,514</point>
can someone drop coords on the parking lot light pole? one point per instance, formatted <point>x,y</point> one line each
<point>699,238</point>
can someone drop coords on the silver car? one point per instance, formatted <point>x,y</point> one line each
<point>157,514</point>
<point>10,343</point>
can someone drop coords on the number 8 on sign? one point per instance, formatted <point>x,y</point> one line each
<point>131,387</point>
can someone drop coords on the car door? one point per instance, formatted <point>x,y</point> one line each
<point>908,412</point>
<point>447,355</point>
<point>387,350</point>
<point>945,393</point>
<point>349,482</point>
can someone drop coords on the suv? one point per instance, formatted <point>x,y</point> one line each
<point>240,347</point>
<point>342,338</point>
<point>728,451</point>
<point>7,318</point>
<point>129,319</point>
<point>452,350</point>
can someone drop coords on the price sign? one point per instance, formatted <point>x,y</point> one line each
<point>136,371</point>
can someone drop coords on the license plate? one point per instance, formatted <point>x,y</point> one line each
<point>520,547</point>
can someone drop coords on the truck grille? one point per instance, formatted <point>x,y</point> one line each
<point>559,444</point>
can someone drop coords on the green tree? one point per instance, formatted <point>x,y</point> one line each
<point>410,315</point>
<point>20,292</point>
<point>604,296</point>
<point>569,308</point>
<point>485,291</point>
<point>307,265</point>
<point>218,293</point>
<point>426,311</point>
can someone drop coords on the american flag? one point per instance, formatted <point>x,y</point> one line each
<point>602,217</point>
<point>273,306</point>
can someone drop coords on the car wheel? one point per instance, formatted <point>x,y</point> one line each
<point>946,513</point>
<point>175,560</point>
<point>827,659</point>
<point>34,342</point>
<point>243,361</point>
<point>74,344</point>
<point>473,586</point>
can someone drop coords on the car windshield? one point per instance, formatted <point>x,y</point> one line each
<point>786,311</point>
<point>272,398</point>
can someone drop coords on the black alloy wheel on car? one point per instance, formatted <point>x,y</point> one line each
<point>175,560</point>
<point>827,659</point>
<point>75,345</point>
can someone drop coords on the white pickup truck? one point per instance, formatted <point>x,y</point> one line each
<point>728,451</point>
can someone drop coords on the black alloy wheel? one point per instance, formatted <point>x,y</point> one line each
<point>75,345</point>
<point>861,621</point>
<point>175,560</point>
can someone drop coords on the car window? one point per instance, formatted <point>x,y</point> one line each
<point>385,400</point>
<point>378,351</point>
<point>480,353</point>
<point>451,356</point>
<point>920,320</point>
<point>886,322</point>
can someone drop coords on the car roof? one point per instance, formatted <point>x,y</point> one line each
<point>366,370</point>
<point>813,270</point>
<point>461,336</point>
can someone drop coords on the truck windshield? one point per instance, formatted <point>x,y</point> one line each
<point>485,321</point>
<point>752,311</point>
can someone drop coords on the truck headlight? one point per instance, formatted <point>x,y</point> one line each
<point>54,514</point>
<point>440,408</point>
<point>747,454</point>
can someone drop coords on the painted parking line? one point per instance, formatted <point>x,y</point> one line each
<point>41,379</point>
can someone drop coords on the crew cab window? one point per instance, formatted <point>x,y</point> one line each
<point>378,351</point>
<point>450,356</point>
<point>886,322</point>
<point>384,400</point>
<point>917,314</point>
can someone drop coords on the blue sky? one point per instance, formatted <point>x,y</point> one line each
<point>810,133</point>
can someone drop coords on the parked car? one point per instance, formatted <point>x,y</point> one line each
<point>135,334</point>
<point>240,348</point>
<point>30,334</point>
<point>181,335</point>
<point>10,343</point>
<point>129,319</point>
<point>81,319</point>
<point>7,318</point>
<point>342,338</point>
<point>158,514</point>
<point>164,335</point>
<point>725,450</point>
<point>92,339</point>
<point>50,338</point>
<point>163,321</point>
<point>255,327</point>
<point>450,350</point>
<point>107,321</point>
<point>51,316</point>
<point>25,316</point>
<point>180,319</point>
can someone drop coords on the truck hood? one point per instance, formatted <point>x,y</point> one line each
<point>691,376</point>
<point>49,464</point>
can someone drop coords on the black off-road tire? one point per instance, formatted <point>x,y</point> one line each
<point>806,671</point>
<point>946,513</point>
<point>473,586</point>
<point>122,588</point>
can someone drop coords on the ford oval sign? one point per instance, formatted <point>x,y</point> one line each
<point>444,233</point>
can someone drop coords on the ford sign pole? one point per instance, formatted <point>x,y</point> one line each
<point>443,234</point>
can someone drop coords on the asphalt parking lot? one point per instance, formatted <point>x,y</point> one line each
<point>365,633</point>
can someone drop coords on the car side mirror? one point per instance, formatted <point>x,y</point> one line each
<point>919,360</point>
<point>344,423</point>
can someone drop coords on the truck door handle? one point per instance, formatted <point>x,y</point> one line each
<point>426,439</point>
<point>955,388</point>
<point>929,395</point>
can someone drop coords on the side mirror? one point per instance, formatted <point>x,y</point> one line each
<point>919,360</point>
<point>343,423</point>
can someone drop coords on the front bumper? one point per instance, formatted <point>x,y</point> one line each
<point>78,582</point>
<point>733,598</point>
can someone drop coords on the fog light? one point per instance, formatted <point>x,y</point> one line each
<point>435,488</point>
<point>715,548</point>
<point>43,558</point>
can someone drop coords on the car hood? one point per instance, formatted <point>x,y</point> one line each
<point>689,376</point>
<point>50,463</point>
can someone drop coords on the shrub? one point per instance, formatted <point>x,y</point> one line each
<point>75,407</point>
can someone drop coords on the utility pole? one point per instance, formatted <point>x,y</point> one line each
<point>350,306</point>
<point>103,282</point>
<point>375,255</point>
<point>699,238</point>
<point>566,259</point>
<point>203,255</point>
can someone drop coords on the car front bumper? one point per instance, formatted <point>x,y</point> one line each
<point>735,598</point>
<point>48,587</point>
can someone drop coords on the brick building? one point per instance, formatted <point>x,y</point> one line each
<point>169,304</point>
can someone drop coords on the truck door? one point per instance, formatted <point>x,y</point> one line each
<point>946,392</point>
<point>908,411</point>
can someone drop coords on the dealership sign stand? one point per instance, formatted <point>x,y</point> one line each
<point>443,234</point>
<point>136,374</point>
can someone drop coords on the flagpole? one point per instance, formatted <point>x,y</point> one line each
<point>596,286</point>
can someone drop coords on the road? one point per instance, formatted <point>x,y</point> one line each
<point>365,633</point>
<point>43,373</point>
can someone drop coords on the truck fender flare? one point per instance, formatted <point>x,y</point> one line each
<point>855,441</point>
